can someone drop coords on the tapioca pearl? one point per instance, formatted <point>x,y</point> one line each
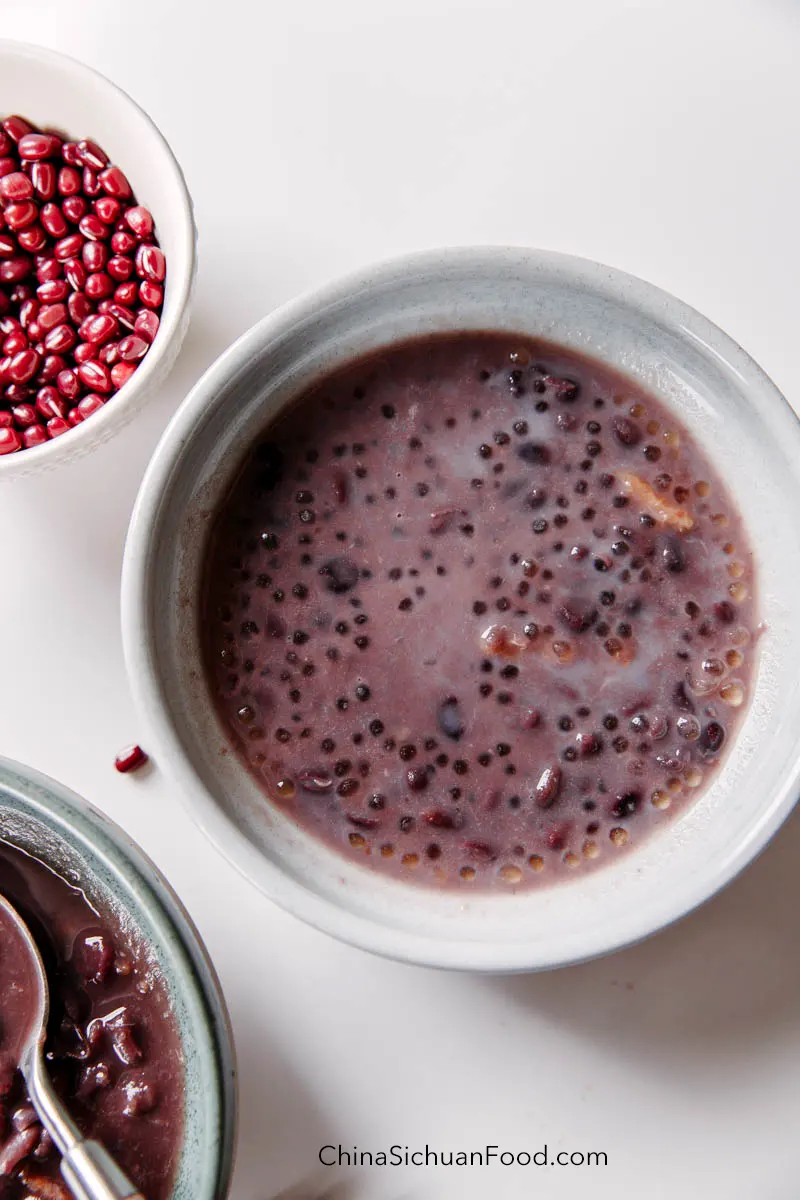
<point>571,860</point>
<point>736,570</point>
<point>510,874</point>
<point>536,863</point>
<point>733,693</point>
<point>618,836</point>
<point>738,592</point>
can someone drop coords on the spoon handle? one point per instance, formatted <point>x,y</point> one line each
<point>91,1174</point>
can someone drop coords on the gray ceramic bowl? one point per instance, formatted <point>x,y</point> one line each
<point>753,439</point>
<point>40,816</point>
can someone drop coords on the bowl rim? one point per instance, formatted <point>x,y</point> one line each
<point>80,824</point>
<point>142,385</point>
<point>138,580</point>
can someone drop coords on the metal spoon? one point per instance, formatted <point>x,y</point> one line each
<point>88,1169</point>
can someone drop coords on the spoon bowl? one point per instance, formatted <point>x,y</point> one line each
<point>88,1169</point>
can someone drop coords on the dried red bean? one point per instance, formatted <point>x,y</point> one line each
<point>150,263</point>
<point>60,339</point>
<point>147,324</point>
<point>121,242</point>
<point>51,366</point>
<point>43,178</point>
<point>88,405</point>
<point>132,348</point>
<point>68,384</point>
<point>114,182</point>
<point>121,313</point>
<point>107,209</point>
<point>14,269</point>
<point>51,316</point>
<point>15,186</point>
<point>92,155</point>
<point>48,294</point>
<point>120,267</point>
<point>38,145</point>
<point>57,426</point>
<point>79,308</point>
<point>20,214</point>
<point>93,228</point>
<point>53,291</point>
<point>95,376</point>
<point>14,343</point>
<point>127,293</point>
<point>9,440</point>
<point>74,208</point>
<point>84,352</point>
<point>121,373</point>
<point>94,255</point>
<point>99,285</point>
<point>151,294</point>
<point>53,221</point>
<point>68,247</point>
<point>69,181</point>
<point>90,182</point>
<point>130,759</point>
<point>23,366</point>
<point>140,220</point>
<point>75,274</point>
<point>24,414</point>
<point>17,127</point>
<point>98,329</point>
<point>49,403</point>
<point>35,435</point>
<point>33,239</point>
<point>48,269</point>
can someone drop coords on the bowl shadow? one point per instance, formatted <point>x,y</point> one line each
<point>716,986</point>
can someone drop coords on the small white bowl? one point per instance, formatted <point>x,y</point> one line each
<point>54,91</point>
<point>748,430</point>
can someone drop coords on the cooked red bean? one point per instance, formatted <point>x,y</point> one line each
<point>81,278</point>
<point>130,759</point>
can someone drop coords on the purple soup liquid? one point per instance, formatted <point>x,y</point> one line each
<point>479,611</point>
<point>113,1048</point>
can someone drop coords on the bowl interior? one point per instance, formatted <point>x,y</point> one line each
<point>42,818</point>
<point>751,435</point>
<point>57,92</point>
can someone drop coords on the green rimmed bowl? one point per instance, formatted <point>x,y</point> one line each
<point>44,818</point>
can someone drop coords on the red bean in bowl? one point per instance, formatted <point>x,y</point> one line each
<point>81,283</point>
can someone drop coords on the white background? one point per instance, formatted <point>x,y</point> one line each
<point>661,137</point>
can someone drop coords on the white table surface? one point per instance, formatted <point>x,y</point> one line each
<point>660,136</point>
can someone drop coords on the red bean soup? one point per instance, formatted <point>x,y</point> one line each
<point>479,611</point>
<point>113,1048</point>
<point>81,283</point>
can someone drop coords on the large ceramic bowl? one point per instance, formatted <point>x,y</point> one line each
<point>750,433</point>
<point>43,818</point>
<point>55,91</point>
